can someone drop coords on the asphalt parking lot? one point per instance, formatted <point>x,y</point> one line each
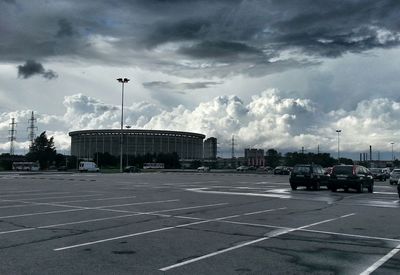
<point>193,223</point>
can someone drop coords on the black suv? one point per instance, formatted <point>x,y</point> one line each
<point>351,176</point>
<point>308,175</point>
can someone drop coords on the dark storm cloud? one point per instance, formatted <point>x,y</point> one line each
<point>65,28</point>
<point>172,35</point>
<point>219,49</point>
<point>31,68</point>
<point>179,86</point>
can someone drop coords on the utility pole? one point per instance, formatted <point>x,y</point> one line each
<point>233,151</point>
<point>12,137</point>
<point>31,129</point>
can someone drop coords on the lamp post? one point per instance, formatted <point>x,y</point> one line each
<point>392,151</point>
<point>127,147</point>
<point>338,145</point>
<point>122,81</point>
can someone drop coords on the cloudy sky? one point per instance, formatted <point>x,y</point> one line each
<point>280,74</point>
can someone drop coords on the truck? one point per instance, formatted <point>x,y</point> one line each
<point>88,166</point>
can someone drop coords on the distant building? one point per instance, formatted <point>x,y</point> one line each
<point>254,157</point>
<point>210,148</point>
<point>85,143</point>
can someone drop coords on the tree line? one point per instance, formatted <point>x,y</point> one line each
<point>273,158</point>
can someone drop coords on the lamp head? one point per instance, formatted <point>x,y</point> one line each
<point>123,80</point>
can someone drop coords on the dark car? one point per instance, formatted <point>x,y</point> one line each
<point>308,175</point>
<point>131,169</point>
<point>398,190</point>
<point>378,174</point>
<point>351,176</point>
<point>282,170</point>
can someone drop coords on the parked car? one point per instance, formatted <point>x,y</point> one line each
<point>281,170</point>
<point>351,176</point>
<point>131,169</point>
<point>328,170</point>
<point>398,190</point>
<point>88,166</point>
<point>394,176</point>
<point>242,168</point>
<point>378,174</point>
<point>308,175</point>
<point>203,169</point>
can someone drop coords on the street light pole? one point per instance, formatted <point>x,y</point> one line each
<point>123,81</point>
<point>392,151</point>
<point>338,145</point>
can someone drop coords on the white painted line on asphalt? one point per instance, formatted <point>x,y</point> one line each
<point>155,230</point>
<point>79,208</point>
<point>15,205</point>
<point>351,235</point>
<point>48,198</point>
<point>102,199</point>
<point>386,193</point>
<point>207,191</point>
<point>40,213</point>
<point>381,261</point>
<point>270,235</point>
<point>154,213</point>
<point>50,193</point>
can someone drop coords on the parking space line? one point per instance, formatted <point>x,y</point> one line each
<point>40,213</point>
<point>155,213</point>
<point>48,198</point>
<point>156,230</point>
<point>381,261</point>
<point>78,208</point>
<point>50,193</point>
<point>270,235</point>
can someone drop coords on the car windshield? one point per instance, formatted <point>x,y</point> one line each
<point>301,169</point>
<point>343,170</point>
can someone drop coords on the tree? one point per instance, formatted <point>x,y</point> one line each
<point>324,159</point>
<point>42,150</point>
<point>272,158</point>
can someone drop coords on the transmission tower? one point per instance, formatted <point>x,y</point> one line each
<point>12,132</point>
<point>32,129</point>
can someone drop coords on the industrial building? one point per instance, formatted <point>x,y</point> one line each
<point>254,157</point>
<point>210,149</point>
<point>85,143</point>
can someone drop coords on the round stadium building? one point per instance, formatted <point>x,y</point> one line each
<point>85,143</point>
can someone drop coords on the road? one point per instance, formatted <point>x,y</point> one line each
<point>192,223</point>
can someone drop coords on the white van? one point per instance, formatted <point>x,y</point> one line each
<point>88,166</point>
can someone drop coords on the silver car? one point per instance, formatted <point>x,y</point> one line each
<point>394,176</point>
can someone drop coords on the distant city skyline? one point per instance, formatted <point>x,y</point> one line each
<point>275,74</point>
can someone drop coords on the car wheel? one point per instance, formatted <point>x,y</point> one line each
<point>333,188</point>
<point>371,188</point>
<point>317,186</point>
<point>346,189</point>
<point>360,187</point>
<point>391,182</point>
<point>294,186</point>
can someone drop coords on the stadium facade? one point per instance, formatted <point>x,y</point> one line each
<point>85,143</point>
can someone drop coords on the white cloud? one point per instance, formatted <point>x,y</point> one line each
<point>267,121</point>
